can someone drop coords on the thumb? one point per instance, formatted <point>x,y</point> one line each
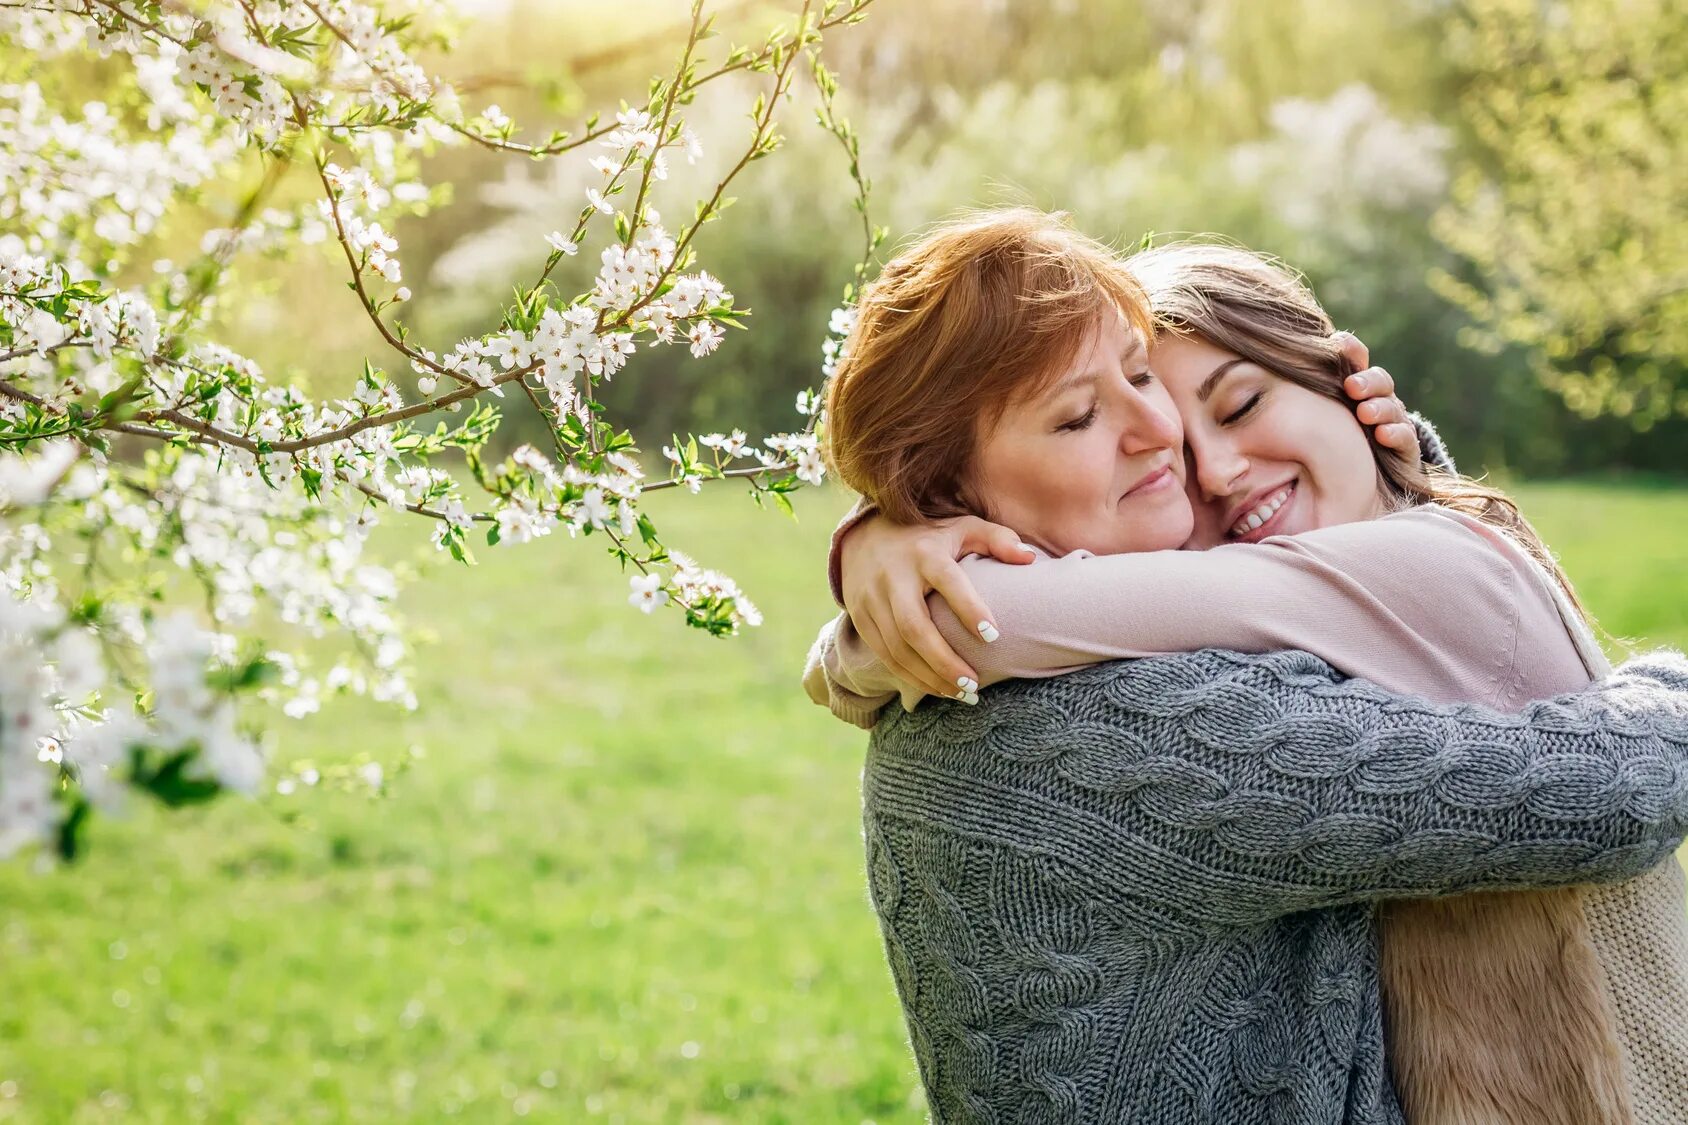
<point>1003,544</point>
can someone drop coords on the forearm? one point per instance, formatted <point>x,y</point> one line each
<point>1419,603</point>
<point>858,512</point>
<point>841,675</point>
<point>1271,787</point>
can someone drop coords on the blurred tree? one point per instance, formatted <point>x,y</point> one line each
<point>1570,208</point>
<point>1326,133</point>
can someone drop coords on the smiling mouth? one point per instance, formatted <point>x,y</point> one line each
<point>1259,521</point>
<point>1154,480</point>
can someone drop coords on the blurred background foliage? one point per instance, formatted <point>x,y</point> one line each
<point>1488,192</point>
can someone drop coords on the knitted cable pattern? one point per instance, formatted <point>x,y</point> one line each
<point>1143,891</point>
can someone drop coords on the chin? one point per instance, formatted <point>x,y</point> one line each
<point>1162,526</point>
<point>1168,533</point>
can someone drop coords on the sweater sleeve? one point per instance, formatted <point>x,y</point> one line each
<point>858,512</point>
<point>1239,788</point>
<point>1422,601</point>
<point>1432,450</point>
<point>855,698</point>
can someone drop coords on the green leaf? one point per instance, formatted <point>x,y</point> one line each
<point>68,842</point>
<point>169,780</point>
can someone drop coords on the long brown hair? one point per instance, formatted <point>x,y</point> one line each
<point>979,311</point>
<point>1257,308</point>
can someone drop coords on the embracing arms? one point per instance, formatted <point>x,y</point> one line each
<point>1424,601</point>
<point>1239,788</point>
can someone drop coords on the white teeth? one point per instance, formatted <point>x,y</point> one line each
<point>1264,512</point>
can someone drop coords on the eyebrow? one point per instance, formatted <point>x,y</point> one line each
<point>1205,391</point>
<point>1133,350</point>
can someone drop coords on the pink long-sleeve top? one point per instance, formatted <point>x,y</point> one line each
<point>1426,602</point>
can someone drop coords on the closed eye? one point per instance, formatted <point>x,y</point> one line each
<point>1244,410</point>
<point>1080,423</point>
<point>1142,378</point>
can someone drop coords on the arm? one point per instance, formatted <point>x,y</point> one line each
<point>880,573</point>
<point>855,698</point>
<point>1395,600</point>
<point>1243,788</point>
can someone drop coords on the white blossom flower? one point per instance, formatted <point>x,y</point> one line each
<point>705,337</point>
<point>277,538</point>
<point>810,467</point>
<point>692,146</point>
<point>648,593</point>
<point>593,510</point>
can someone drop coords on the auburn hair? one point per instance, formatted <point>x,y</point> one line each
<point>1259,309</point>
<point>979,311</point>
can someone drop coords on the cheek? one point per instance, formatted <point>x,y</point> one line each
<point>1206,529</point>
<point>1037,479</point>
<point>1339,453</point>
<point>1078,474</point>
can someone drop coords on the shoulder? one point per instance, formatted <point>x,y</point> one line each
<point>1422,548</point>
<point>1422,524</point>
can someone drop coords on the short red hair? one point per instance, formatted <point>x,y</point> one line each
<point>982,309</point>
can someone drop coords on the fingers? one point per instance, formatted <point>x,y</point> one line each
<point>1357,354</point>
<point>958,592</point>
<point>1373,382</point>
<point>884,638</point>
<point>1381,408</point>
<point>1381,411</point>
<point>1402,437</point>
<point>922,650</point>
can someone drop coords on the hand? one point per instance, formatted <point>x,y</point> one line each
<point>887,570</point>
<point>1379,407</point>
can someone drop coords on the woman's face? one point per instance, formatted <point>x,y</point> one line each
<point>1266,456</point>
<point>1093,460</point>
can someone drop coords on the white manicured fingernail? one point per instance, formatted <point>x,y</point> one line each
<point>970,698</point>
<point>988,631</point>
<point>967,684</point>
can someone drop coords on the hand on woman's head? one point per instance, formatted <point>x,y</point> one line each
<point>886,571</point>
<point>1379,406</point>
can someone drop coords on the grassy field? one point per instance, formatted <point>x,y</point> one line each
<point>624,885</point>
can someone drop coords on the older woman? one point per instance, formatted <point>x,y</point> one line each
<point>1096,891</point>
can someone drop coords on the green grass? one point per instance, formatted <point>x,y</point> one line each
<point>624,885</point>
<point>1626,550</point>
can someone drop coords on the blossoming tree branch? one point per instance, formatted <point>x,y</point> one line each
<point>180,533</point>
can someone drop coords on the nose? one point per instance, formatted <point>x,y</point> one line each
<point>1148,427</point>
<point>1219,464</point>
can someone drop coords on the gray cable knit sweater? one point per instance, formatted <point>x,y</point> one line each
<point>1144,891</point>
